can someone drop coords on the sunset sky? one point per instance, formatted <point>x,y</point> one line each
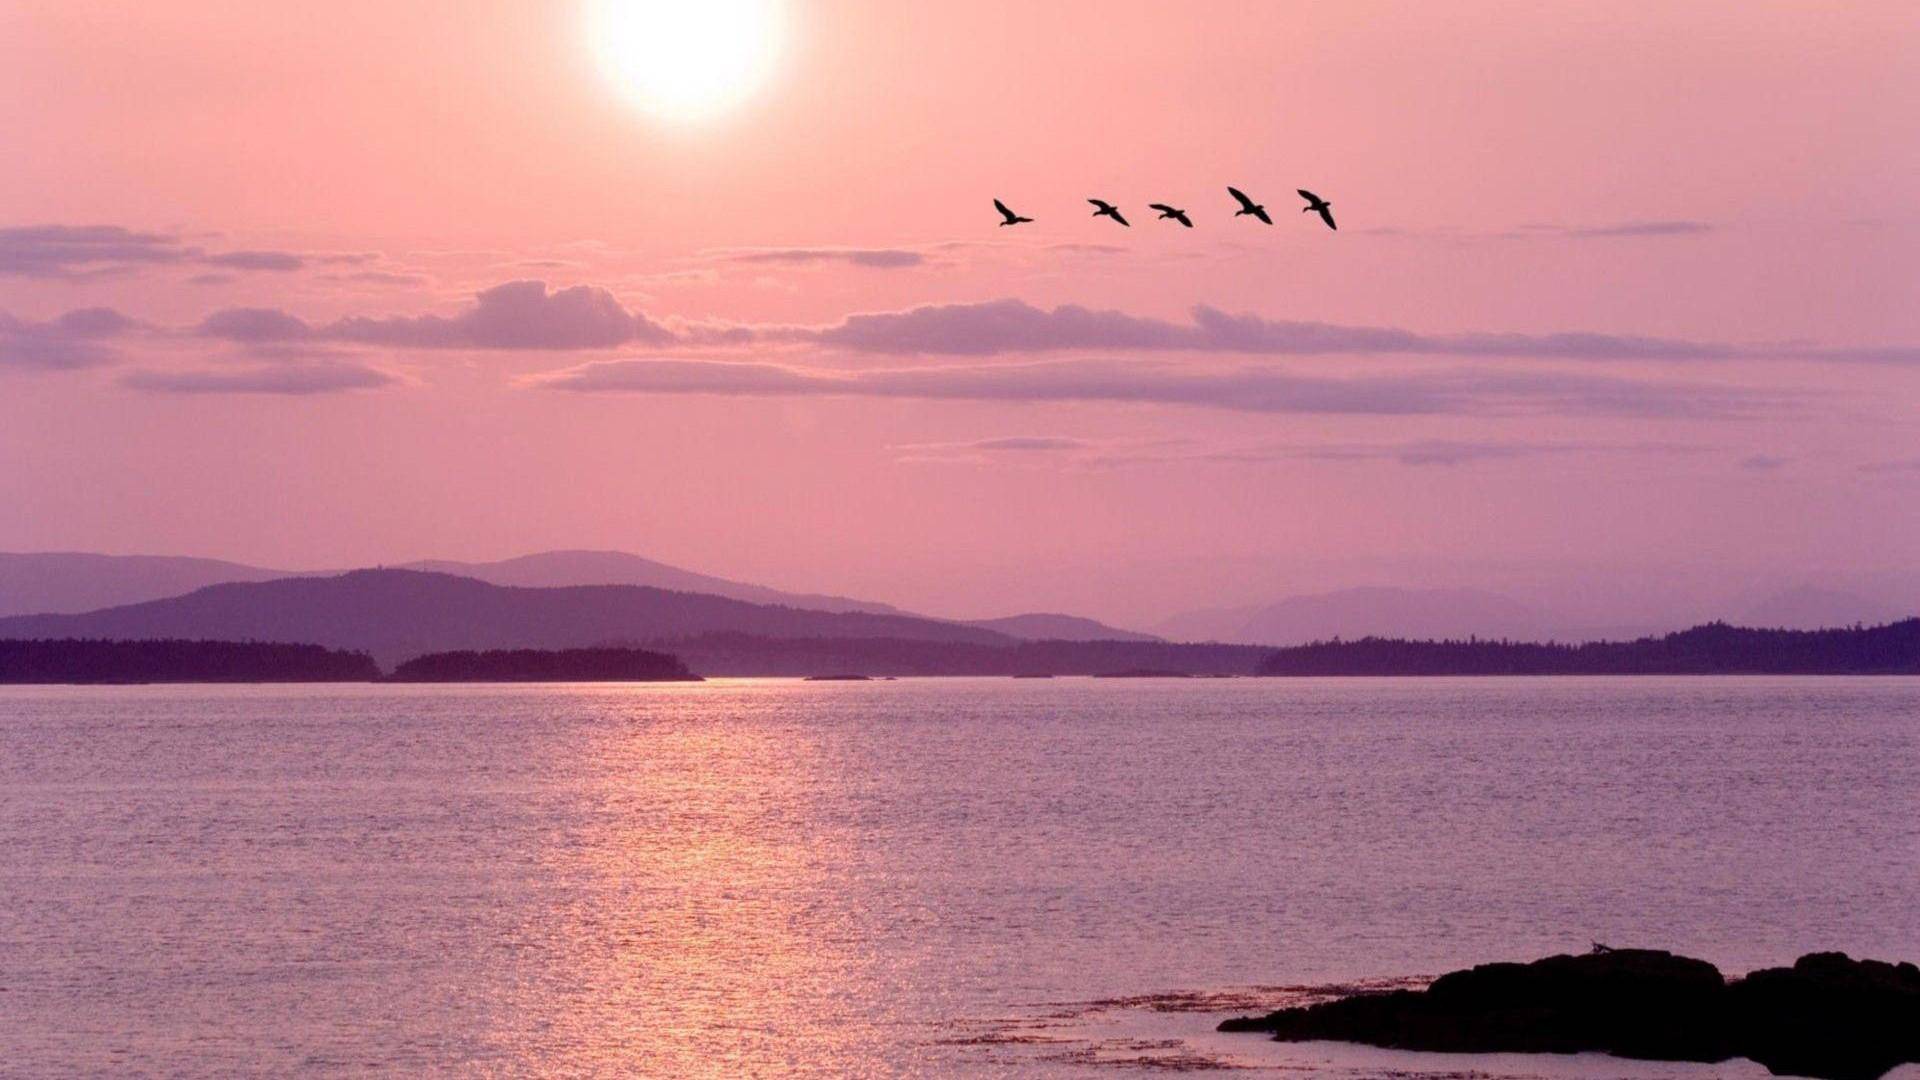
<point>1623,310</point>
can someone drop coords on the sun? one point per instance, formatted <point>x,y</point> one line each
<point>687,60</point>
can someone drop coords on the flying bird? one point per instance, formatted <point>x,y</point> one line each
<point>1012,218</point>
<point>1248,206</point>
<point>1317,204</point>
<point>1169,212</point>
<point>1107,209</point>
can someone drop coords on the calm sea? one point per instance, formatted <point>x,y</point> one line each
<point>927,877</point>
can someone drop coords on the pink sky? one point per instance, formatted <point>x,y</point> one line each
<point>800,352</point>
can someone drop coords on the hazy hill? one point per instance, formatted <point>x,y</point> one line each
<point>60,581</point>
<point>1042,626</point>
<point>1807,607</point>
<point>557,569</point>
<point>398,614</point>
<point>1350,613</point>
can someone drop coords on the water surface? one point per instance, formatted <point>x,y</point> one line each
<point>926,876</point>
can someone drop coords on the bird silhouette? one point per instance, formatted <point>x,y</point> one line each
<point>1248,206</point>
<point>1317,204</point>
<point>1012,218</point>
<point>1107,209</point>
<point>1169,212</point>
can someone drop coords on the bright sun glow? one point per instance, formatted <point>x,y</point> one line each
<point>687,60</point>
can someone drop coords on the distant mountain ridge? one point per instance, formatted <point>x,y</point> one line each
<point>1808,607</point>
<point>38,582</point>
<point>397,614</point>
<point>559,569</point>
<point>1046,626</point>
<point>35,583</point>
<point>1358,612</point>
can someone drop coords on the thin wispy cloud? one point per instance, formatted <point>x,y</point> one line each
<point>377,277</point>
<point>79,251</point>
<point>873,258</point>
<point>67,250</point>
<point>1903,466</point>
<point>298,380</point>
<point>1667,227</point>
<point>1255,389</point>
<point>280,261</point>
<point>1069,452</point>
<point>1444,452</point>
<point>1026,449</point>
<point>1014,326</point>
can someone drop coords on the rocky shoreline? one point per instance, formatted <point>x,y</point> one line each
<point>1827,1016</point>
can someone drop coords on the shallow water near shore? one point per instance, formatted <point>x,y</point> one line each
<point>930,877</point>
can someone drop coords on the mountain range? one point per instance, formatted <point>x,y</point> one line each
<point>76,582</point>
<point>398,614</point>
<point>1354,613</point>
<point>72,582</point>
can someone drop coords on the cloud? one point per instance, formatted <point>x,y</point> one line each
<point>1026,443</point>
<point>1005,326</point>
<point>1089,249</point>
<point>1256,389</point>
<point>253,325</point>
<point>516,315</point>
<point>1645,228</point>
<point>1073,452</point>
<point>57,251</point>
<point>1459,452</point>
<point>1905,465</point>
<point>1015,444</point>
<point>287,379</point>
<point>877,258</point>
<point>377,277</point>
<point>1869,354</point>
<point>67,250</point>
<point>527,315</point>
<point>1661,227</point>
<point>1762,462</point>
<point>256,260</point>
<point>72,341</point>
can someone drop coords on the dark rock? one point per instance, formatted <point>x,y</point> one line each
<point>1827,1016</point>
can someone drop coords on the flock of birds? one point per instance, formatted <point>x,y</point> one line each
<point>1248,208</point>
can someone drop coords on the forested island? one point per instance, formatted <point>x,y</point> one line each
<point>753,654</point>
<point>173,660</point>
<point>545,665</point>
<point>1712,649</point>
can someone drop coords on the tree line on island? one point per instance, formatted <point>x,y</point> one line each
<point>175,661</point>
<point>1712,649</point>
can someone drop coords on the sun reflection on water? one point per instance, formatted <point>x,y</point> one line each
<point>697,935</point>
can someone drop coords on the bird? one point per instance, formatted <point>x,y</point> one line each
<point>1169,212</point>
<point>1107,209</point>
<point>1012,218</point>
<point>1248,206</point>
<point>1316,203</point>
